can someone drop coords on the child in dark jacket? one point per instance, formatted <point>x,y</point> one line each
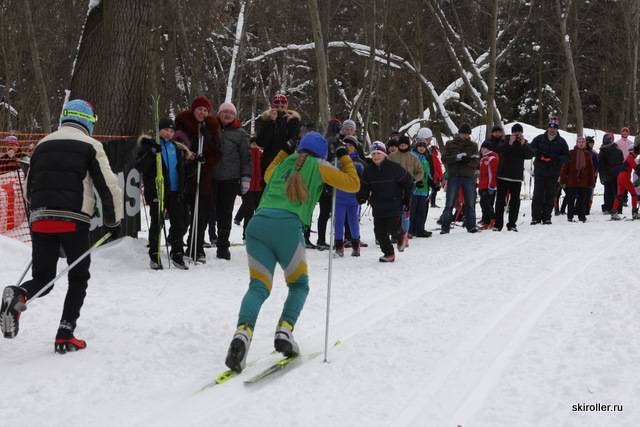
<point>388,187</point>
<point>251,198</point>
<point>173,158</point>
<point>347,206</point>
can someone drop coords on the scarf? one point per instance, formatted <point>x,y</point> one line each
<point>580,159</point>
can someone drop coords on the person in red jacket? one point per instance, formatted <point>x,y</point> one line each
<point>577,179</point>
<point>487,184</point>
<point>624,185</point>
<point>251,199</point>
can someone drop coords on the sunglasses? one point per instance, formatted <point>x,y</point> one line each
<point>278,102</point>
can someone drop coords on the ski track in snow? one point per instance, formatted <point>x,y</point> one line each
<point>475,330</point>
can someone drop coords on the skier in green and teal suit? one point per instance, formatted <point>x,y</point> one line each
<point>275,235</point>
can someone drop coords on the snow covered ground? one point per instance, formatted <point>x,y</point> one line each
<point>492,329</point>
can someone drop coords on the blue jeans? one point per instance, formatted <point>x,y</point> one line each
<point>468,185</point>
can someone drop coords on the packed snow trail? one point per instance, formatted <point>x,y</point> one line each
<point>490,329</point>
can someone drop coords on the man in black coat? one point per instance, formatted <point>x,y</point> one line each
<point>610,164</point>
<point>551,152</point>
<point>388,187</point>
<point>513,151</point>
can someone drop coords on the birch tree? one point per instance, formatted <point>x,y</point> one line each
<point>562,10</point>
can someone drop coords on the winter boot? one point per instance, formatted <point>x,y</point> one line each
<point>13,304</point>
<point>239,348</point>
<point>308,244</point>
<point>322,246</point>
<point>387,258</point>
<point>223,253</point>
<point>546,222</point>
<point>201,258</point>
<point>177,260</point>
<point>154,262</point>
<point>403,242</point>
<point>635,214</point>
<point>615,216</point>
<point>355,248</point>
<point>283,340</point>
<point>512,228</point>
<point>340,248</point>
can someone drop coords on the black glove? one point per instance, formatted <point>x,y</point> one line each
<point>420,184</point>
<point>200,158</point>
<point>362,200</point>
<point>341,150</point>
<point>290,146</point>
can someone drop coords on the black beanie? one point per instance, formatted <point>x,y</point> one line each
<point>496,128</point>
<point>517,128</point>
<point>166,123</point>
<point>465,128</point>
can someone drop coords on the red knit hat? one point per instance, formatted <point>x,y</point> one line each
<point>279,100</point>
<point>201,101</point>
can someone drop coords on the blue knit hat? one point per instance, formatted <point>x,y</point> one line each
<point>314,144</point>
<point>80,112</point>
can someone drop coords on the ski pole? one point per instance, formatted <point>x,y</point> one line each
<point>64,271</point>
<point>194,224</point>
<point>330,273</point>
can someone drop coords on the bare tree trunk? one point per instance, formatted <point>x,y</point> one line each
<point>116,29</point>
<point>634,76</point>
<point>232,81</point>
<point>37,68</point>
<point>321,67</point>
<point>563,15</point>
<point>8,79</point>
<point>491,91</point>
<point>566,100</point>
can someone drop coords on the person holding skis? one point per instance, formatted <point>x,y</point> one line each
<point>275,235</point>
<point>66,167</point>
<point>196,124</point>
<point>487,184</point>
<point>577,178</point>
<point>513,151</point>
<point>232,176</point>
<point>462,161</point>
<point>173,155</point>
<point>388,188</point>
<point>551,152</point>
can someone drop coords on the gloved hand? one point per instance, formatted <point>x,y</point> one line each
<point>200,158</point>
<point>245,182</point>
<point>290,146</point>
<point>341,150</point>
<point>491,191</point>
<point>460,156</point>
<point>420,184</point>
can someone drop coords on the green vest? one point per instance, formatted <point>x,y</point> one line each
<point>275,195</point>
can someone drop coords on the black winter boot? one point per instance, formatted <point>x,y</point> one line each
<point>355,248</point>
<point>340,248</point>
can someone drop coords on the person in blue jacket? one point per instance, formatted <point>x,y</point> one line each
<point>347,206</point>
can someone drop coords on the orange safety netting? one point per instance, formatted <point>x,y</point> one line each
<point>13,217</point>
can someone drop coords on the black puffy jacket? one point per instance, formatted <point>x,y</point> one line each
<point>512,157</point>
<point>145,162</point>
<point>610,162</point>
<point>387,187</point>
<point>557,150</point>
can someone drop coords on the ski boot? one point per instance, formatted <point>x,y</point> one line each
<point>355,248</point>
<point>340,248</point>
<point>635,214</point>
<point>154,262</point>
<point>65,341</point>
<point>13,304</point>
<point>615,216</point>
<point>223,253</point>
<point>322,246</point>
<point>283,340</point>
<point>239,348</point>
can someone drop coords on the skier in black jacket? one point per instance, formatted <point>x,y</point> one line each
<point>551,152</point>
<point>66,168</point>
<point>513,151</point>
<point>388,187</point>
<point>173,171</point>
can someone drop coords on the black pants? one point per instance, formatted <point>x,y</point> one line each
<point>224,194</point>
<point>212,217</point>
<point>325,213</point>
<point>512,189</point>
<point>385,227</point>
<point>487,201</point>
<point>418,217</point>
<point>203,217</point>
<point>544,188</point>
<point>578,202</point>
<point>177,215</point>
<point>45,250</point>
<point>610,193</point>
<point>432,196</point>
<point>249,205</point>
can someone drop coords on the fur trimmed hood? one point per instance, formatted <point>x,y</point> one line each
<point>187,122</point>
<point>290,114</point>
